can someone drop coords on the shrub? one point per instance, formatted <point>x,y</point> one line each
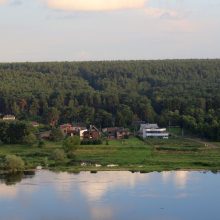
<point>71,143</point>
<point>71,155</point>
<point>59,155</point>
<point>56,134</point>
<point>41,144</point>
<point>30,139</point>
<point>91,142</point>
<point>14,163</point>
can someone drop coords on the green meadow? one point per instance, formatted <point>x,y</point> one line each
<point>131,154</point>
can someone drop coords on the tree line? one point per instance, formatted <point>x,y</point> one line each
<point>182,93</point>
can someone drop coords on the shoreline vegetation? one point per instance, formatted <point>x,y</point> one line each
<point>131,154</point>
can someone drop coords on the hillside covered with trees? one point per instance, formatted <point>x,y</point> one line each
<point>182,93</point>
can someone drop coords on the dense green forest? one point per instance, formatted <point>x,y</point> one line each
<point>176,92</point>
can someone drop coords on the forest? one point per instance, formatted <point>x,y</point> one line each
<point>183,93</point>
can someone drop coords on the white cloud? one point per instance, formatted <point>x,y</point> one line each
<point>95,5</point>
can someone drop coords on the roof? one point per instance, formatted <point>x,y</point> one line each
<point>65,125</point>
<point>93,128</point>
<point>8,117</point>
<point>149,126</point>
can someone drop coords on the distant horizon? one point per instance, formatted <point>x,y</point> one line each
<point>119,60</point>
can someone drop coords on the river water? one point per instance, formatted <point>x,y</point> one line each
<point>46,195</point>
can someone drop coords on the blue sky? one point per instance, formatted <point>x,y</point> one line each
<point>58,30</point>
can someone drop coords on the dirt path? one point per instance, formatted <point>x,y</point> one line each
<point>206,144</point>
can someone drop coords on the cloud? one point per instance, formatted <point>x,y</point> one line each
<point>16,3</point>
<point>164,13</point>
<point>3,1</point>
<point>95,5</point>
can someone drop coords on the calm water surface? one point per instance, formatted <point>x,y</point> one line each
<point>112,196</point>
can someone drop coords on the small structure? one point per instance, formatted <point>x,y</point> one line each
<point>111,133</point>
<point>66,129</point>
<point>122,133</point>
<point>116,133</point>
<point>153,131</point>
<point>72,130</point>
<point>8,118</point>
<point>92,133</point>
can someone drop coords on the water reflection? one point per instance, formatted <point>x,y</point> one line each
<point>8,188</point>
<point>103,212</point>
<point>13,178</point>
<point>7,191</point>
<point>110,196</point>
<point>179,178</point>
<point>99,184</point>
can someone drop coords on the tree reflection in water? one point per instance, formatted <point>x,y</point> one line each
<point>16,177</point>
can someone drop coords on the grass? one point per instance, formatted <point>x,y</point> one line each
<point>132,154</point>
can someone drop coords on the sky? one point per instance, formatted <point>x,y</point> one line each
<point>79,30</point>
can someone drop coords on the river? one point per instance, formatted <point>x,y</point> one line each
<point>181,195</point>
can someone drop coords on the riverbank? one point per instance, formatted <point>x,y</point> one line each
<point>127,155</point>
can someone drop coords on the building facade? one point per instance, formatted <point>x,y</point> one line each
<point>153,131</point>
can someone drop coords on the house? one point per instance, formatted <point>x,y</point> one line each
<point>67,129</point>
<point>116,133</point>
<point>92,133</point>
<point>111,133</point>
<point>72,130</point>
<point>122,133</point>
<point>153,131</point>
<point>81,133</point>
<point>8,118</point>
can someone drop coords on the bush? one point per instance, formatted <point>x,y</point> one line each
<point>71,143</point>
<point>56,135</point>
<point>59,155</point>
<point>71,155</point>
<point>41,144</point>
<point>30,139</point>
<point>14,163</point>
<point>91,142</point>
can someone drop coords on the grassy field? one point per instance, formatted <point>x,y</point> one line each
<point>132,154</point>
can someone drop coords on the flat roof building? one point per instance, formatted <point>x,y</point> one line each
<point>153,130</point>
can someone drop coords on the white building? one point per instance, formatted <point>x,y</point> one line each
<point>153,130</point>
